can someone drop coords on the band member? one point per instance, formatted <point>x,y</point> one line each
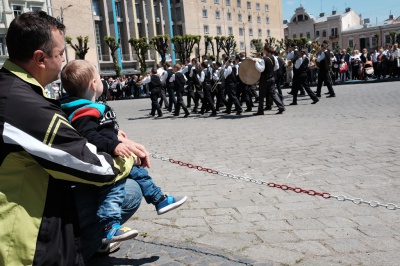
<point>198,92</point>
<point>206,80</point>
<point>163,77</point>
<point>243,88</point>
<point>186,71</point>
<point>230,75</point>
<point>300,78</point>
<point>219,84</point>
<point>155,85</point>
<point>324,61</point>
<point>170,87</point>
<point>178,79</point>
<point>267,81</point>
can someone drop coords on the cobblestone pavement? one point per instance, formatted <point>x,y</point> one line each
<point>348,145</point>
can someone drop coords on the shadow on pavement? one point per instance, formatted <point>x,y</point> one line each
<point>106,260</point>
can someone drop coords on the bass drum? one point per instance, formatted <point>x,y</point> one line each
<point>248,73</point>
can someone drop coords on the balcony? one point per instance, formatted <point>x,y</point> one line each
<point>333,36</point>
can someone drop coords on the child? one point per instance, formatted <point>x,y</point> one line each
<point>97,123</point>
<point>343,70</point>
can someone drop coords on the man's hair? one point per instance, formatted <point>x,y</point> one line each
<point>154,70</point>
<point>167,65</point>
<point>178,66</point>
<point>29,32</point>
<point>76,77</point>
<point>204,65</point>
<point>269,48</point>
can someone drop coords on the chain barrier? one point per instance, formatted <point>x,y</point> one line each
<point>325,195</point>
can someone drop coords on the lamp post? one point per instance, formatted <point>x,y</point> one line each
<point>61,19</point>
<point>244,35</point>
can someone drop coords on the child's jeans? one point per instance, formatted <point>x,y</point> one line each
<point>110,202</point>
<point>150,191</point>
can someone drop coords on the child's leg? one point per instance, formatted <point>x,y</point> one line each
<point>110,202</point>
<point>153,193</point>
<point>150,191</point>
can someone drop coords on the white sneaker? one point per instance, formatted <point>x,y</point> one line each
<point>109,248</point>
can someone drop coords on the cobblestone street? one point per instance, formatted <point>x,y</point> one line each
<point>348,145</point>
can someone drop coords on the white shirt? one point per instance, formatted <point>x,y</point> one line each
<point>298,63</point>
<point>321,56</point>
<point>202,76</point>
<point>374,57</point>
<point>260,65</point>
<point>186,69</point>
<point>165,76</point>
<point>146,80</point>
<point>276,66</point>
<point>228,71</point>
<point>172,79</point>
<point>217,74</point>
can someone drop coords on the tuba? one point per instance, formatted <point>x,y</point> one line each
<point>315,50</point>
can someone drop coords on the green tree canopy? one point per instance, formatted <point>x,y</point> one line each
<point>81,48</point>
<point>114,45</point>
<point>160,43</point>
<point>141,47</point>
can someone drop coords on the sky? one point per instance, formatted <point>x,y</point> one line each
<point>372,9</point>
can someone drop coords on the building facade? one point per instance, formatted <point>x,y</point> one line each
<point>325,27</point>
<point>122,19</point>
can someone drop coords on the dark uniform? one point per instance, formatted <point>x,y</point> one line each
<point>230,88</point>
<point>179,84</point>
<point>300,80</point>
<point>155,91</point>
<point>170,89</point>
<point>207,101</point>
<point>189,88</point>
<point>267,86</point>
<point>325,76</point>
<point>219,89</point>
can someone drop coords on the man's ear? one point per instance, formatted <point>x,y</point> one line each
<point>39,57</point>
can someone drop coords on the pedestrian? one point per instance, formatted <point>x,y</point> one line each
<point>179,80</point>
<point>205,79</point>
<point>170,87</point>
<point>43,157</point>
<point>231,76</point>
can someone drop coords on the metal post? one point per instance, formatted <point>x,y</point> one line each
<point>117,33</point>
<point>62,21</point>
<point>172,34</point>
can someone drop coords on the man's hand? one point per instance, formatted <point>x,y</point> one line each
<point>139,150</point>
<point>122,150</point>
<point>122,134</point>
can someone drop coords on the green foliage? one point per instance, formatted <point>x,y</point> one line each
<point>301,43</point>
<point>228,45</point>
<point>208,40</point>
<point>160,43</point>
<point>184,45</point>
<point>258,45</point>
<point>393,34</point>
<point>219,41</point>
<point>114,45</point>
<point>81,48</point>
<point>141,47</point>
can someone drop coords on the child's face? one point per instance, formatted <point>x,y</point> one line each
<point>98,83</point>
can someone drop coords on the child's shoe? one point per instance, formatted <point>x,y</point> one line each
<point>169,203</point>
<point>115,232</point>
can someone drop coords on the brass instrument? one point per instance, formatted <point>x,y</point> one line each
<point>316,49</point>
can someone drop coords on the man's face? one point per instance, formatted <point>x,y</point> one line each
<point>54,61</point>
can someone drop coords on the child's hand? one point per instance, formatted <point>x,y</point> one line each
<point>122,150</point>
<point>121,134</point>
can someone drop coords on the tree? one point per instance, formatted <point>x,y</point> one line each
<point>228,45</point>
<point>160,43</point>
<point>219,43</point>
<point>81,48</point>
<point>208,40</point>
<point>141,47</point>
<point>393,36</point>
<point>114,46</point>
<point>184,45</point>
<point>258,45</point>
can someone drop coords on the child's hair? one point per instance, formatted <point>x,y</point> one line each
<point>76,77</point>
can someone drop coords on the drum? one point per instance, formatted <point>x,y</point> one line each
<point>248,73</point>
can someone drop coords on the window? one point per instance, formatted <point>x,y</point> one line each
<point>241,45</point>
<point>267,20</point>
<point>248,5</point>
<point>179,30</point>
<point>205,1</point>
<point>301,35</point>
<point>249,18</point>
<point>219,32</point>
<point>259,32</point>
<point>266,8</point>
<point>230,30</point>
<point>324,33</point>
<point>239,3</point>
<point>258,19</point>
<point>334,32</point>
<point>351,43</point>
<point>252,46</point>
<point>95,7</point>
<point>138,14</point>
<point>308,35</point>
<point>258,6</point>
<point>294,35</point>
<point>229,16</point>
<point>228,2</point>
<point>387,39</point>
<point>216,2</point>
<point>217,14</point>
<point>98,38</point>
<point>206,31</point>
<point>36,8</point>
<point>240,31</point>
<point>317,33</point>
<point>17,10</point>
<point>178,14</point>
<point>240,17</point>
<point>205,15</point>
<point>269,33</point>
<point>250,32</point>
<point>118,9</point>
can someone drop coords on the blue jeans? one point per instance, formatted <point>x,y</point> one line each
<point>110,202</point>
<point>150,191</point>
<point>86,200</point>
